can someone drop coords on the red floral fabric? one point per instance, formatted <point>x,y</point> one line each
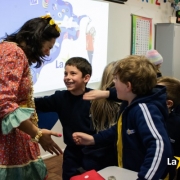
<point>16,148</point>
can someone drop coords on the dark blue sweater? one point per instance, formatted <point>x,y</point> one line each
<point>146,145</point>
<point>73,112</point>
<point>173,127</point>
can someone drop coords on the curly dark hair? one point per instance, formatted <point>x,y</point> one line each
<point>33,34</point>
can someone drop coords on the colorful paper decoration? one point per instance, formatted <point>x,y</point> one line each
<point>141,35</point>
<point>158,3</point>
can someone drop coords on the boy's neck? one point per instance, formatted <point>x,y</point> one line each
<point>78,91</point>
<point>130,98</point>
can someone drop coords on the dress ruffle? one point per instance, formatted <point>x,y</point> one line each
<point>14,119</point>
<point>34,170</point>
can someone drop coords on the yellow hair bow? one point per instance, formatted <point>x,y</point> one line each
<point>46,16</point>
<point>52,22</point>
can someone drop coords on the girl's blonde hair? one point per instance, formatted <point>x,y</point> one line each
<point>104,112</point>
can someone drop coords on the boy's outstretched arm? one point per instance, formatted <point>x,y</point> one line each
<point>103,137</point>
<point>48,103</point>
<point>83,138</point>
<point>96,94</point>
<point>100,94</point>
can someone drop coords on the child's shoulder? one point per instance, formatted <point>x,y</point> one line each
<point>174,117</point>
<point>177,109</point>
<point>61,93</point>
<point>88,89</point>
<point>140,109</point>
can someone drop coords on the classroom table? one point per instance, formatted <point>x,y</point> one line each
<point>118,173</point>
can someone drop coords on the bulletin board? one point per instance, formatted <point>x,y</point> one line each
<point>141,38</point>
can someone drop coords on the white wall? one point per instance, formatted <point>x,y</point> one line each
<point>119,36</point>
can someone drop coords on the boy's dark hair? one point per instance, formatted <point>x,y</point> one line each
<point>34,33</point>
<point>172,88</point>
<point>139,71</point>
<point>80,63</point>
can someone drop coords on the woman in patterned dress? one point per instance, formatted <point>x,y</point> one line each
<point>19,134</point>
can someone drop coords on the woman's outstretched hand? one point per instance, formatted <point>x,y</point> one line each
<point>83,138</point>
<point>96,94</point>
<point>48,144</point>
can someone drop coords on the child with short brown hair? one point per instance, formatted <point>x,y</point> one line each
<point>173,121</point>
<point>142,141</point>
<point>72,110</point>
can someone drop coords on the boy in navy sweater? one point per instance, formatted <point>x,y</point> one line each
<point>73,111</point>
<point>173,121</point>
<point>142,141</point>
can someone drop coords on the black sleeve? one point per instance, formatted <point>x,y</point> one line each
<point>48,103</point>
<point>106,136</point>
<point>113,95</point>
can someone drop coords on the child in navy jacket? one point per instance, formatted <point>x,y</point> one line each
<point>173,121</point>
<point>142,141</point>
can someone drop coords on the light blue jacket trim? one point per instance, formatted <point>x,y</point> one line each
<point>14,119</point>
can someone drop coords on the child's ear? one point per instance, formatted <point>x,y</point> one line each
<point>169,103</point>
<point>87,78</point>
<point>129,86</point>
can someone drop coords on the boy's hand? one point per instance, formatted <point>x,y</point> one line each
<point>48,144</point>
<point>96,94</point>
<point>83,138</point>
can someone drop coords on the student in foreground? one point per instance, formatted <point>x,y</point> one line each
<point>142,141</point>
<point>72,110</point>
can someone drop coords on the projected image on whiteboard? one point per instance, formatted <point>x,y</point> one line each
<point>83,33</point>
<point>84,30</point>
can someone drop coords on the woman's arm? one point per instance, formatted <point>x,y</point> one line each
<point>45,140</point>
<point>15,84</point>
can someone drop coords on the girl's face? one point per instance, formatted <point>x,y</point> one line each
<point>47,46</point>
<point>74,80</point>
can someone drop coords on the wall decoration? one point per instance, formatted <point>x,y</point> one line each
<point>178,16</point>
<point>157,2</point>
<point>141,35</point>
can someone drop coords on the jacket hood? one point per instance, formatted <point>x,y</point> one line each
<point>157,97</point>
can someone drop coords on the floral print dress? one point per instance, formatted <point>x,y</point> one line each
<point>19,156</point>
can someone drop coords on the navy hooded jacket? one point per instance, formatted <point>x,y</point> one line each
<point>146,145</point>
